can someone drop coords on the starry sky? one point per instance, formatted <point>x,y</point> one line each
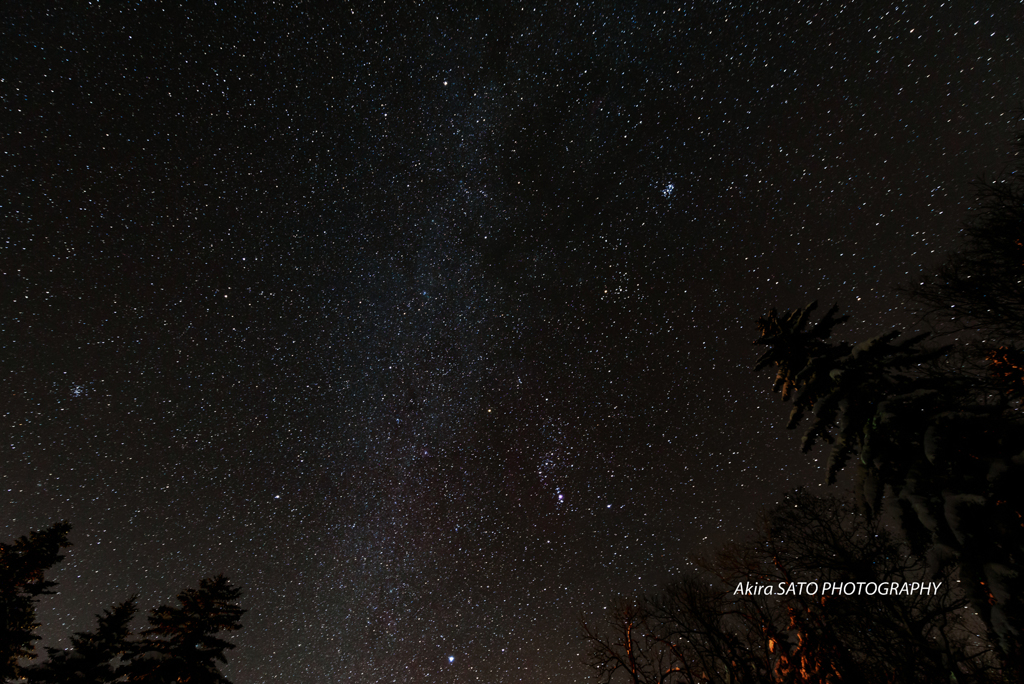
<point>429,324</point>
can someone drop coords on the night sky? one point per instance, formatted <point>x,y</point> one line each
<point>429,324</point>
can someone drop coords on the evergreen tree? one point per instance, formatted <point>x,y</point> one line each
<point>980,287</point>
<point>950,451</point>
<point>941,426</point>
<point>182,643</point>
<point>180,646</point>
<point>23,565</point>
<point>978,292</point>
<point>94,657</point>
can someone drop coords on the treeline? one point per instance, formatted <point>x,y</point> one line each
<point>932,427</point>
<point>760,612</point>
<point>181,643</point>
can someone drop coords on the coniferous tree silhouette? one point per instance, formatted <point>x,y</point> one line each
<point>182,644</point>
<point>938,426</point>
<point>23,565</point>
<point>94,657</point>
<point>978,292</point>
<point>980,287</point>
<point>951,453</point>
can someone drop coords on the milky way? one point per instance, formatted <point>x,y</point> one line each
<point>430,325</point>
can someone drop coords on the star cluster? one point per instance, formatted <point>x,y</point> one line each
<point>429,324</point>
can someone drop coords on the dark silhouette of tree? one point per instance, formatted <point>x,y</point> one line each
<point>950,451</point>
<point>978,292</point>
<point>686,634</point>
<point>940,427</point>
<point>840,385</point>
<point>23,565</point>
<point>904,638</point>
<point>980,287</point>
<point>182,644</point>
<point>94,657</point>
<point>707,627</point>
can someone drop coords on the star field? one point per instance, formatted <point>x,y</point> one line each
<point>429,324</point>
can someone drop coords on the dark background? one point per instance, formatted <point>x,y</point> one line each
<point>429,324</point>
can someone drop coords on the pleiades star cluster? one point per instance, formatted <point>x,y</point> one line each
<point>429,323</point>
